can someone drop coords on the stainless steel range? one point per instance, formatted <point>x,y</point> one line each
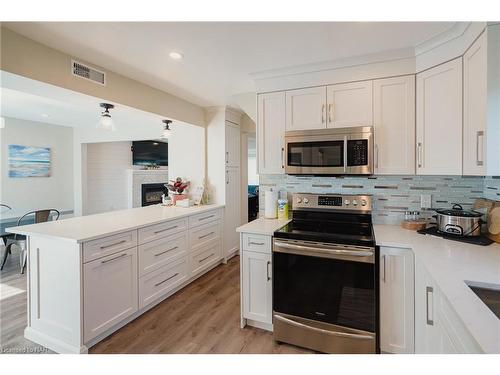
<point>325,294</point>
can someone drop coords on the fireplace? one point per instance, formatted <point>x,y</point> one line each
<point>151,193</point>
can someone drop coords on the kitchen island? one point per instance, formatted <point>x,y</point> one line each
<point>89,276</point>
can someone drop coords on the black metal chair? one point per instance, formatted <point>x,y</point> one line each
<point>41,216</point>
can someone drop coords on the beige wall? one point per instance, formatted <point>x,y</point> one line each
<point>25,57</point>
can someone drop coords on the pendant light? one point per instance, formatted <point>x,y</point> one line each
<point>106,122</point>
<point>166,130</point>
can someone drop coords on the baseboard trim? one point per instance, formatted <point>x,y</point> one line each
<point>51,343</point>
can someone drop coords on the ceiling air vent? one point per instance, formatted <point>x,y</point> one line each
<point>84,71</point>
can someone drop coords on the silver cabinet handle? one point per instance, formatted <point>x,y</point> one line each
<point>419,154</point>
<point>205,218</point>
<point>169,278</point>
<point>479,162</point>
<point>383,264</point>
<point>329,113</point>
<point>282,158</point>
<point>205,235</point>
<point>323,114</point>
<point>204,259</point>
<point>323,331</point>
<point>113,244</point>
<point>166,251</point>
<point>429,291</point>
<point>376,156</point>
<point>115,258</point>
<point>227,177</point>
<point>256,243</point>
<point>164,230</point>
<point>227,157</point>
<point>267,270</point>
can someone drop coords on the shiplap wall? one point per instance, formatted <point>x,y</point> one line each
<point>107,165</point>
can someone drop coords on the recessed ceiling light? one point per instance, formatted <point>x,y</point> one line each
<point>176,55</point>
<point>45,115</point>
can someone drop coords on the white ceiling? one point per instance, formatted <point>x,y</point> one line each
<point>27,99</point>
<point>220,56</point>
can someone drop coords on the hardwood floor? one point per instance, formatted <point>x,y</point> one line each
<point>204,317</point>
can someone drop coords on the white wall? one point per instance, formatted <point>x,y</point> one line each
<point>107,165</point>
<point>186,154</point>
<point>31,193</point>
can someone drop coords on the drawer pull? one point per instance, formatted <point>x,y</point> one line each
<point>113,244</point>
<point>168,278</point>
<point>429,307</point>
<point>204,259</point>
<point>205,235</point>
<point>112,259</point>
<point>166,251</point>
<point>206,217</point>
<point>256,243</point>
<point>164,230</point>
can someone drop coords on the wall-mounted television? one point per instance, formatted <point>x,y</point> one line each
<point>150,153</point>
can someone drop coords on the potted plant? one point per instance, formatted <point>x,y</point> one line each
<point>178,189</point>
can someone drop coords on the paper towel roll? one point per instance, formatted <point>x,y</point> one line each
<point>270,204</point>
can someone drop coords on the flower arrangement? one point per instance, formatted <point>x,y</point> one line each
<point>178,187</point>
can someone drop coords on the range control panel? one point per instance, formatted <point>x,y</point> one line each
<point>303,201</point>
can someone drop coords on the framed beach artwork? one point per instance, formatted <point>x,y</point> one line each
<point>29,161</point>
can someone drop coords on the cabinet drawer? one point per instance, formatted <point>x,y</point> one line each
<point>158,283</point>
<point>205,257</point>
<point>203,234</point>
<point>161,230</point>
<point>256,242</point>
<point>102,247</point>
<point>204,218</point>
<point>158,253</point>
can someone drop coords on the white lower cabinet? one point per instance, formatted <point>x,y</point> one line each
<point>110,291</point>
<point>257,286</point>
<point>396,300</point>
<point>438,329</point>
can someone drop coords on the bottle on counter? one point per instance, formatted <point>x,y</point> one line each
<point>282,208</point>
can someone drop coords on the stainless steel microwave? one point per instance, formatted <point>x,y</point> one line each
<point>341,151</point>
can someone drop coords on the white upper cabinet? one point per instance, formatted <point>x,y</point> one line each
<point>271,132</point>
<point>350,104</point>
<point>397,300</point>
<point>394,125</point>
<point>232,145</point>
<point>439,120</point>
<point>306,108</point>
<point>475,107</point>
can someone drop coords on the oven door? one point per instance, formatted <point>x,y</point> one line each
<point>315,154</point>
<point>324,296</point>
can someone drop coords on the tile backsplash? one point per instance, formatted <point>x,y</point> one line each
<point>392,195</point>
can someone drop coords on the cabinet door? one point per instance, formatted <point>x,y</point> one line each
<point>396,300</point>
<point>439,120</point>
<point>394,125</point>
<point>350,104</point>
<point>232,214</point>
<point>232,145</point>
<point>257,286</point>
<point>110,291</point>
<point>427,332</point>
<point>271,132</point>
<point>306,108</point>
<point>475,107</point>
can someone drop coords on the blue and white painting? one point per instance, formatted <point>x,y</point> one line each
<point>29,161</point>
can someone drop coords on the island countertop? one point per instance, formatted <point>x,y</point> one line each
<point>86,228</point>
<point>452,264</point>
<point>263,226</point>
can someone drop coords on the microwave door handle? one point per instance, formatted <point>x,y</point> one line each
<point>345,154</point>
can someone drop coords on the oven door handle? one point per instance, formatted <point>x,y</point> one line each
<point>323,331</point>
<point>332,252</point>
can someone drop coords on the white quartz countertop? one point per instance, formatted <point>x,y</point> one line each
<point>450,263</point>
<point>86,228</point>
<point>263,226</point>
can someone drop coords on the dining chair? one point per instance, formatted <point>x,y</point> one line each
<point>4,236</point>
<point>41,216</point>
